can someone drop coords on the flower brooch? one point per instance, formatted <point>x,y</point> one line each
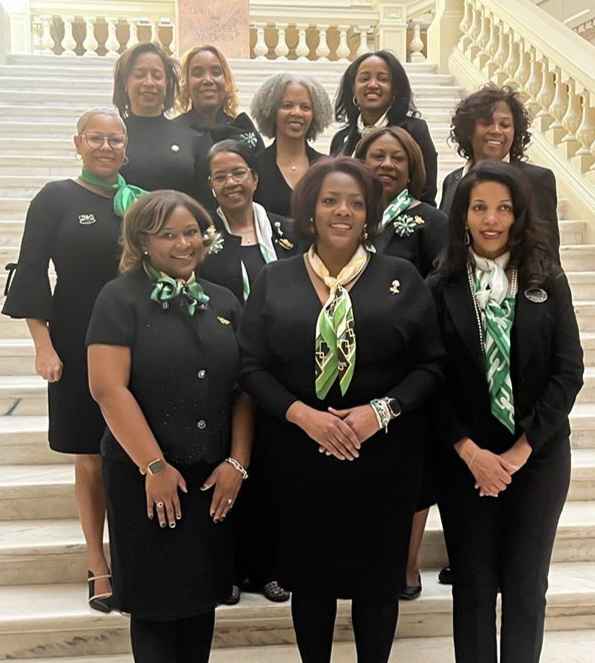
<point>215,240</point>
<point>406,225</point>
<point>283,242</point>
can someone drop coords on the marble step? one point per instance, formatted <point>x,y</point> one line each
<point>53,551</point>
<point>578,258</point>
<point>572,232</point>
<point>54,620</point>
<point>582,284</point>
<point>558,647</point>
<point>582,424</point>
<point>13,207</point>
<point>24,441</point>
<point>585,314</point>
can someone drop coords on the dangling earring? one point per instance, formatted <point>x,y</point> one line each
<point>355,102</point>
<point>365,233</point>
<point>467,237</point>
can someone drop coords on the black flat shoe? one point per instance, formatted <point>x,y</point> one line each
<point>100,602</point>
<point>234,597</point>
<point>273,591</point>
<point>411,592</point>
<point>445,577</point>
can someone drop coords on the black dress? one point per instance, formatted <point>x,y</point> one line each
<point>273,191</point>
<point>183,376</point>
<point>79,231</point>
<point>345,525</point>
<point>423,245</point>
<point>164,155</point>
<point>345,140</point>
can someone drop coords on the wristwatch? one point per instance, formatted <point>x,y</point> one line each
<point>156,466</point>
<point>393,406</point>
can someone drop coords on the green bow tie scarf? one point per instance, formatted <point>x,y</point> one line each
<point>167,289</point>
<point>125,194</point>
<point>499,319</point>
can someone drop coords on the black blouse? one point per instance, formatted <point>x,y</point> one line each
<point>164,155</point>
<point>184,369</point>
<point>273,191</point>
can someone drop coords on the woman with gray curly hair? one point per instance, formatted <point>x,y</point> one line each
<point>292,110</point>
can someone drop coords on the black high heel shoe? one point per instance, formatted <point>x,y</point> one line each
<point>100,602</point>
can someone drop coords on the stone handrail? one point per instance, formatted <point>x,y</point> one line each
<point>516,43</point>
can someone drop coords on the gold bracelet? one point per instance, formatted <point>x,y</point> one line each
<point>237,466</point>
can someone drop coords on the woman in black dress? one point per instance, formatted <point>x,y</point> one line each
<point>208,98</point>
<point>161,153</point>
<point>250,238</point>
<point>375,92</point>
<point>493,123</point>
<point>341,348</point>
<point>293,110</point>
<point>514,367</point>
<point>163,366</point>
<point>76,225</point>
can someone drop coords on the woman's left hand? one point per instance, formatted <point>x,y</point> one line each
<point>361,419</point>
<point>227,482</point>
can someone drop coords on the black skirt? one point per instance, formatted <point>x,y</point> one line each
<point>162,573</point>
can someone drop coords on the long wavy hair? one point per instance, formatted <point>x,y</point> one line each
<point>529,248</point>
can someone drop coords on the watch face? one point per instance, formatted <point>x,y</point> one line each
<point>155,467</point>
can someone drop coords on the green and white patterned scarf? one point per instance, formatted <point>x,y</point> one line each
<point>396,207</point>
<point>335,343</point>
<point>166,289</point>
<point>496,302</point>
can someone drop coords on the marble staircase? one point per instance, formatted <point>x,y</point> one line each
<point>43,612</point>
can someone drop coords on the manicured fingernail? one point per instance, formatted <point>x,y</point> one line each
<point>162,524</point>
<point>179,516</point>
<point>172,525</point>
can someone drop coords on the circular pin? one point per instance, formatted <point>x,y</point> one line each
<point>175,148</point>
<point>536,295</point>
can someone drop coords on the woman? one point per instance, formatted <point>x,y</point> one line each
<point>161,153</point>
<point>163,366</point>
<point>493,123</point>
<point>293,110</point>
<point>409,228</point>
<point>375,92</point>
<point>250,238</point>
<point>514,368</point>
<point>76,225</point>
<point>341,349</point>
<point>208,98</point>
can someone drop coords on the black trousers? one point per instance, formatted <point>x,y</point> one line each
<point>179,641</point>
<point>374,625</point>
<point>504,542</point>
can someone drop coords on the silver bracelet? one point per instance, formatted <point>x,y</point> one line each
<point>237,466</point>
<point>383,412</point>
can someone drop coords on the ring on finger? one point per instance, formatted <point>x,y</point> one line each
<point>159,505</point>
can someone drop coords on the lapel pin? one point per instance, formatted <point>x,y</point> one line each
<point>395,287</point>
<point>536,295</point>
<point>175,148</point>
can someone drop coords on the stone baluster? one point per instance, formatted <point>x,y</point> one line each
<point>591,173</point>
<point>173,47</point>
<point>512,62</point>
<point>260,48</point>
<point>521,75</point>
<point>133,27</point>
<point>545,97</point>
<point>282,49</point>
<point>302,50</point>
<point>416,46</point>
<point>343,51</point>
<point>90,44</point>
<point>491,47</point>
<point>323,51</point>
<point>46,41</point>
<point>483,39</point>
<point>571,121</point>
<point>474,33</point>
<point>465,26</point>
<point>585,135</point>
<point>112,45</point>
<point>558,108</point>
<point>154,32</point>
<point>501,55</point>
<point>69,42</point>
<point>363,44</point>
<point>533,84</point>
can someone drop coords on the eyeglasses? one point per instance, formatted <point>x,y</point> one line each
<point>237,175</point>
<point>97,141</point>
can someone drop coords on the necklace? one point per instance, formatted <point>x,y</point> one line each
<point>512,290</point>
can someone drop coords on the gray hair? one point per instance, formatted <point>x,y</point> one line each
<point>88,115</point>
<point>267,100</point>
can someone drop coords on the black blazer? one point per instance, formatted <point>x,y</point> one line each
<point>345,140</point>
<point>542,184</point>
<point>546,367</point>
<point>273,192</point>
<point>224,267</point>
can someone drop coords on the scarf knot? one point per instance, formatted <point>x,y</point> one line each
<point>124,194</point>
<point>167,289</point>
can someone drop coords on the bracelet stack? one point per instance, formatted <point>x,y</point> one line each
<point>384,414</point>
<point>237,466</point>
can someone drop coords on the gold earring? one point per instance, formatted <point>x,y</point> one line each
<point>365,233</point>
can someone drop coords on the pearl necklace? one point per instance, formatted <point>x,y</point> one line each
<point>512,291</point>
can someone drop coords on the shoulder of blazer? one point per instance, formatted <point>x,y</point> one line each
<point>534,172</point>
<point>339,140</point>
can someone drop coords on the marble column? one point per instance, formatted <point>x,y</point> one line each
<point>221,23</point>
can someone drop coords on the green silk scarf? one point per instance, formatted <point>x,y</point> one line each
<point>166,289</point>
<point>125,194</point>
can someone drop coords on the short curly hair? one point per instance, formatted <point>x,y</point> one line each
<point>480,106</point>
<point>267,101</point>
<point>184,101</point>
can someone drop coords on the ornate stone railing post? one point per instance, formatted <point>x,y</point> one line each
<point>90,43</point>
<point>392,27</point>
<point>416,45</point>
<point>443,34</point>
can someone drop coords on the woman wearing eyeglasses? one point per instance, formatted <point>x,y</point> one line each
<point>75,223</point>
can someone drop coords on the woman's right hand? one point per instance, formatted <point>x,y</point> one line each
<point>330,431</point>
<point>47,364</point>
<point>491,472</point>
<point>162,495</point>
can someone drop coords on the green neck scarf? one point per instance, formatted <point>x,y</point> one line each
<point>125,194</point>
<point>166,289</point>
<point>396,207</point>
